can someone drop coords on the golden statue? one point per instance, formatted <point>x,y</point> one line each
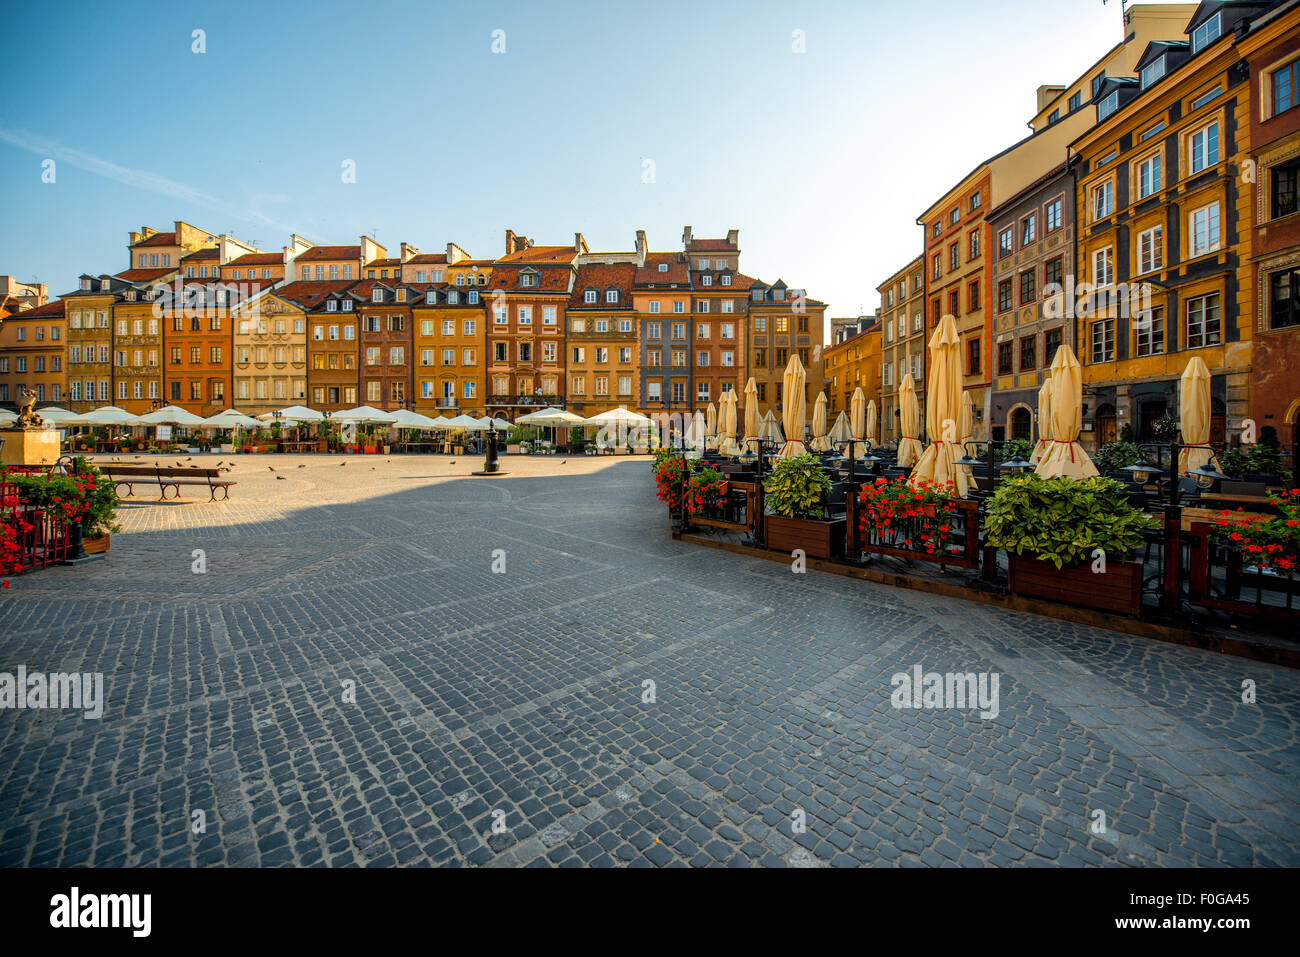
<point>28,420</point>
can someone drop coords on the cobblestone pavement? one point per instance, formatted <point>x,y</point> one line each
<point>525,693</point>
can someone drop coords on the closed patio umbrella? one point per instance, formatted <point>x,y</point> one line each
<point>820,440</point>
<point>710,426</point>
<point>1066,457</point>
<point>909,446</point>
<point>1194,417</point>
<point>750,443</point>
<point>1044,420</point>
<point>727,424</point>
<point>841,431</point>
<point>795,412</point>
<point>870,434</point>
<point>938,463</point>
<point>858,415</point>
<point>770,429</point>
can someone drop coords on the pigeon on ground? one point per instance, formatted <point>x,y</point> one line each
<point>301,466</point>
<point>279,478</point>
<point>219,464</point>
<point>341,464</point>
<point>189,458</point>
<point>269,469</point>
<point>452,462</point>
<point>562,461</point>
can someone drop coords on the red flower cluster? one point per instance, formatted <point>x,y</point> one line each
<point>704,490</point>
<point>671,474</point>
<point>900,515</point>
<point>1269,541</point>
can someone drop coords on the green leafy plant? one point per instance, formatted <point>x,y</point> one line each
<point>1126,432</point>
<point>1063,520</point>
<point>1114,456</point>
<point>1257,459</point>
<point>797,488</point>
<point>1016,448</point>
<point>1166,427</point>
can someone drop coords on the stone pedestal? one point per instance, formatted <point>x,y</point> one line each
<point>29,448</point>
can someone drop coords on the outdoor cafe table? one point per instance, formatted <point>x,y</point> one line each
<point>306,445</point>
<point>419,446</point>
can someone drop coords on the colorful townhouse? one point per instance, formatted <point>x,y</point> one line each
<point>448,324</point>
<point>1165,231</point>
<point>719,322</point>
<point>383,309</point>
<point>902,333</point>
<point>528,291</point>
<point>269,349</point>
<point>1272,48</point>
<point>333,375</point>
<point>89,310</point>
<point>782,322</point>
<point>601,338</point>
<point>851,362</point>
<point>32,351</point>
<point>661,298</point>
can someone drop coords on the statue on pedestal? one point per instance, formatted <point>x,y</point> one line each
<point>28,420</point>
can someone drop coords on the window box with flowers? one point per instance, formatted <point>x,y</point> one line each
<point>1264,547</point>
<point>917,522</point>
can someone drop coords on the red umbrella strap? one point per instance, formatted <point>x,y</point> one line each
<point>1070,444</point>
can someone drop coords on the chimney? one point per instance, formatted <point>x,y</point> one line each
<point>409,252</point>
<point>512,242</point>
<point>579,244</point>
<point>640,247</point>
<point>455,254</point>
<point>1046,94</point>
<point>686,238</point>
<point>733,237</point>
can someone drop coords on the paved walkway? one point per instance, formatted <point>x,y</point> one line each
<point>526,692</point>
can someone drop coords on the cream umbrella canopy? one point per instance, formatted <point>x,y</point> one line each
<point>1066,457</point>
<point>1194,417</point>
<point>1044,420</point>
<point>820,440</point>
<point>770,429</point>
<point>871,435</point>
<point>967,430</point>
<point>938,463</point>
<point>750,443</point>
<point>710,426</point>
<point>858,415</point>
<point>795,412</point>
<point>841,431</point>
<point>909,446</point>
<point>727,427</point>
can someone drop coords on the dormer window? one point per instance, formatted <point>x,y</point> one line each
<point>528,279</point>
<point>377,295</point>
<point>130,295</point>
<point>706,280</point>
<point>103,285</point>
<point>332,306</point>
<point>1206,33</point>
<point>611,295</point>
<point>758,295</point>
<point>347,305</point>
<point>401,295</point>
<point>726,280</point>
<point>85,285</point>
<point>663,267</point>
<point>589,296</point>
<point>1153,71</point>
<point>460,279</point>
<point>473,297</point>
<point>453,298</point>
<point>431,298</point>
<point>1108,105</point>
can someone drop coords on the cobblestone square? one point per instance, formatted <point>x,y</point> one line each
<point>349,682</point>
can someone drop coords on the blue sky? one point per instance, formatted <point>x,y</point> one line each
<point>822,160</point>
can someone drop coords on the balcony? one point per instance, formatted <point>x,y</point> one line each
<point>540,401</point>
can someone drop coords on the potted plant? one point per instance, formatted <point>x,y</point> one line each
<point>671,473</point>
<point>1114,456</point>
<point>101,508</point>
<point>704,490</point>
<point>1069,540</point>
<point>795,495</point>
<point>1271,543</point>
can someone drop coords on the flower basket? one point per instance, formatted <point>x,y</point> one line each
<point>1117,589</point>
<point>904,520</point>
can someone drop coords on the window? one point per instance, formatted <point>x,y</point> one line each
<point>1028,348</point>
<point>589,296</point>
<point>1206,33</point>
<point>1108,105</point>
<point>702,330</point>
<point>1103,266</point>
<point>972,357</point>
<point>1076,101</point>
<point>1151,249</point>
<point>1283,83</point>
<point>1054,271</point>
<point>499,352</point>
<point>702,358</point>
<point>1284,299</point>
<point>679,330</point>
<point>1204,232</point>
<point>701,305</point>
<point>1204,98</point>
<point>652,330</point>
<point>726,280</point>
<point>1150,339</point>
<point>1284,188</point>
<point>954,303</point>
<point>1158,128</point>
<point>1204,148</point>
<point>549,351</point>
<point>602,325</point>
<point>973,248</point>
<point>1103,340</point>
<point>1005,357</point>
<point>1153,71</point>
<point>1203,321</point>
<point>679,306</point>
<point>1052,221</point>
<point>654,305</point>
<point>347,305</point>
<point>1028,292</point>
<point>972,301</point>
<point>1103,200</point>
<point>1028,229</point>
<point>937,263</point>
<point>499,316</point>
<point>652,388</point>
<point>975,201</point>
<point>525,315</point>
<point>954,256</point>
<point>663,267</point>
<point>1006,242</point>
<point>706,280</point>
<point>1053,117</point>
<point>1148,176</point>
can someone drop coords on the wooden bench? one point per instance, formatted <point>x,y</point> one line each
<point>166,477</point>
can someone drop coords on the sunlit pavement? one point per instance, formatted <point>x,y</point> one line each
<point>328,670</point>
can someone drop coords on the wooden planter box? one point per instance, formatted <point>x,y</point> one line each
<point>1118,590</point>
<point>95,545</point>
<point>818,538</point>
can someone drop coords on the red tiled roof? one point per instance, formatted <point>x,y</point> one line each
<point>330,252</point>
<point>208,252</point>
<point>144,275</point>
<point>711,246</point>
<point>738,281</point>
<point>465,263</point>
<point>678,269</point>
<point>54,308</point>
<point>541,254</point>
<point>553,278</point>
<point>258,259</point>
<point>602,276</point>
<point>157,239</point>
<point>383,262</point>
<point>428,258</point>
<point>311,295</point>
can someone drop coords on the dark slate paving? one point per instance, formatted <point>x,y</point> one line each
<point>503,719</point>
